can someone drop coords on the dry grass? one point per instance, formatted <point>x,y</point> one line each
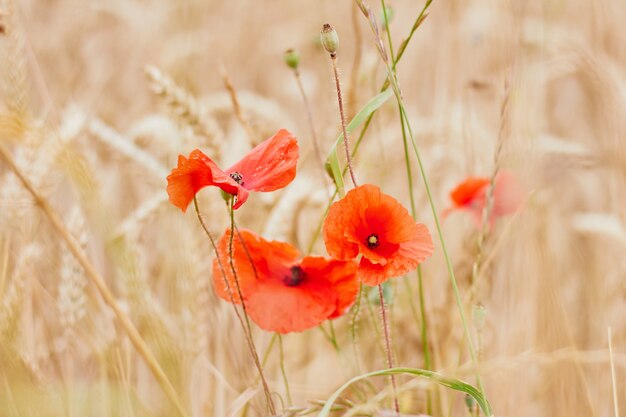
<point>97,137</point>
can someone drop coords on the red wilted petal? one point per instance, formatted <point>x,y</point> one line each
<point>340,274</point>
<point>270,165</point>
<point>364,212</point>
<point>195,173</point>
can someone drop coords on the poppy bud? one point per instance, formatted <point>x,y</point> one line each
<point>292,58</point>
<point>329,38</point>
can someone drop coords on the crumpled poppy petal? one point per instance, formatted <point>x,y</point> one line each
<point>340,274</point>
<point>195,173</point>
<point>270,165</point>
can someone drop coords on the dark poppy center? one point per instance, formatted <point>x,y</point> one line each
<point>372,241</point>
<point>237,177</point>
<point>296,277</point>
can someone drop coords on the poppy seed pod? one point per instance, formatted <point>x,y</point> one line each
<point>292,58</point>
<point>329,38</point>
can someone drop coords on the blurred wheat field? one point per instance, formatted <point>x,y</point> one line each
<point>99,99</point>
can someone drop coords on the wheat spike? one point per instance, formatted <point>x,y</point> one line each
<point>185,107</point>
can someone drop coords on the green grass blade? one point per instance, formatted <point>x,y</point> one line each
<point>332,161</point>
<point>332,167</point>
<point>435,377</point>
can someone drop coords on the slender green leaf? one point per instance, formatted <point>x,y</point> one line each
<point>332,161</point>
<point>453,383</point>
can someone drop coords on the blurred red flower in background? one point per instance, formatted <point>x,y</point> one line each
<point>471,195</point>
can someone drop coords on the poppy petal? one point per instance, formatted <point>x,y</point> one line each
<point>255,260</point>
<point>409,255</point>
<point>195,173</point>
<point>344,226</point>
<point>270,165</point>
<point>245,267</point>
<point>340,274</point>
<point>280,308</point>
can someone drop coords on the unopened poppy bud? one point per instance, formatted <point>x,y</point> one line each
<point>329,38</point>
<point>292,58</point>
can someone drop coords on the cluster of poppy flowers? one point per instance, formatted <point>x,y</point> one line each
<point>369,235</point>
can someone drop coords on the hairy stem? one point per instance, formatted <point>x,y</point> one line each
<point>383,314</point>
<point>333,58</point>
<point>245,323</point>
<point>407,161</point>
<point>255,356</point>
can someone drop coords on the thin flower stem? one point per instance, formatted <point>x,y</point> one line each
<point>282,369</point>
<point>333,58</point>
<point>269,348</point>
<point>396,89</point>
<point>356,63</point>
<point>383,314</point>
<point>450,268</point>
<point>407,161</point>
<point>266,356</point>
<point>245,324</point>
<point>353,326</point>
<point>99,282</point>
<point>368,121</point>
<point>424,327</point>
<point>329,337</point>
<point>255,356</point>
<point>309,116</point>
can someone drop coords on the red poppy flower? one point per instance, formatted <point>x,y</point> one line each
<point>370,223</point>
<point>281,292</point>
<point>269,166</point>
<point>471,195</point>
